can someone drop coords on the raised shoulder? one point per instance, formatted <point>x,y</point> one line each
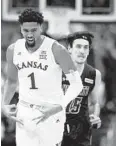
<point>98,74</point>
<point>59,51</point>
<point>91,68</point>
<point>12,72</point>
<point>98,79</point>
<point>10,52</point>
<point>58,48</point>
<point>63,58</point>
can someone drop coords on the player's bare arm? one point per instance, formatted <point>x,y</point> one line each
<point>10,85</point>
<point>64,60</point>
<point>94,102</point>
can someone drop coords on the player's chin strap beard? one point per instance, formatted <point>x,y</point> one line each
<point>27,45</point>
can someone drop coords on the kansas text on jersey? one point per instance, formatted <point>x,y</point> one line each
<point>39,76</point>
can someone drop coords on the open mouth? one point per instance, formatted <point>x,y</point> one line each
<point>81,56</point>
<point>30,40</point>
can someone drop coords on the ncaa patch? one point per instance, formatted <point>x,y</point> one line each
<point>88,80</point>
<point>43,55</point>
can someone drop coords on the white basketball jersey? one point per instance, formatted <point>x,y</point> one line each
<point>39,76</point>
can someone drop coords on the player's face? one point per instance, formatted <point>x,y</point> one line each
<point>31,32</point>
<point>80,50</point>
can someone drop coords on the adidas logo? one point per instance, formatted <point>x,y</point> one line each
<point>57,121</point>
<point>19,53</point>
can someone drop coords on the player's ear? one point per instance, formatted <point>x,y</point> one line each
<point>21,30</point>
<point>89,50</point>
<point>69,49</point>
<point>41,28</point>
<point>90,47</point>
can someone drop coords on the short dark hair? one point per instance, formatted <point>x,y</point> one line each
<point>80,35</point>
<point>30,15</point>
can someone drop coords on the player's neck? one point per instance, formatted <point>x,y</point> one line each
<point>80,67</point>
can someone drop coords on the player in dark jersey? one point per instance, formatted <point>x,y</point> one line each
<point>79,121</point>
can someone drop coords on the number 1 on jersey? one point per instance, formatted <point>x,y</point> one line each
<point>32,81</point>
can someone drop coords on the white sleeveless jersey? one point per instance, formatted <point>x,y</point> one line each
<point>39,76</point>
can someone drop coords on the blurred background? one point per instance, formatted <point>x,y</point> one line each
<point>63,17</point>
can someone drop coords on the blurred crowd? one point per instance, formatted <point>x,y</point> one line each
<point>102,56</point>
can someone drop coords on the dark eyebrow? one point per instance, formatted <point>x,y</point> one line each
<point>25,29</point>
<point>78,44</point>
<point>34,29</point>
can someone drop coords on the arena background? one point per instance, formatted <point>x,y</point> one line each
<point>63,17</point>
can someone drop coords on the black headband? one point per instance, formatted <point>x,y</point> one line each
<point>80,35</point>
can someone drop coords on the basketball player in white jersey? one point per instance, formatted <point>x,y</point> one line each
<point>36,62</point>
